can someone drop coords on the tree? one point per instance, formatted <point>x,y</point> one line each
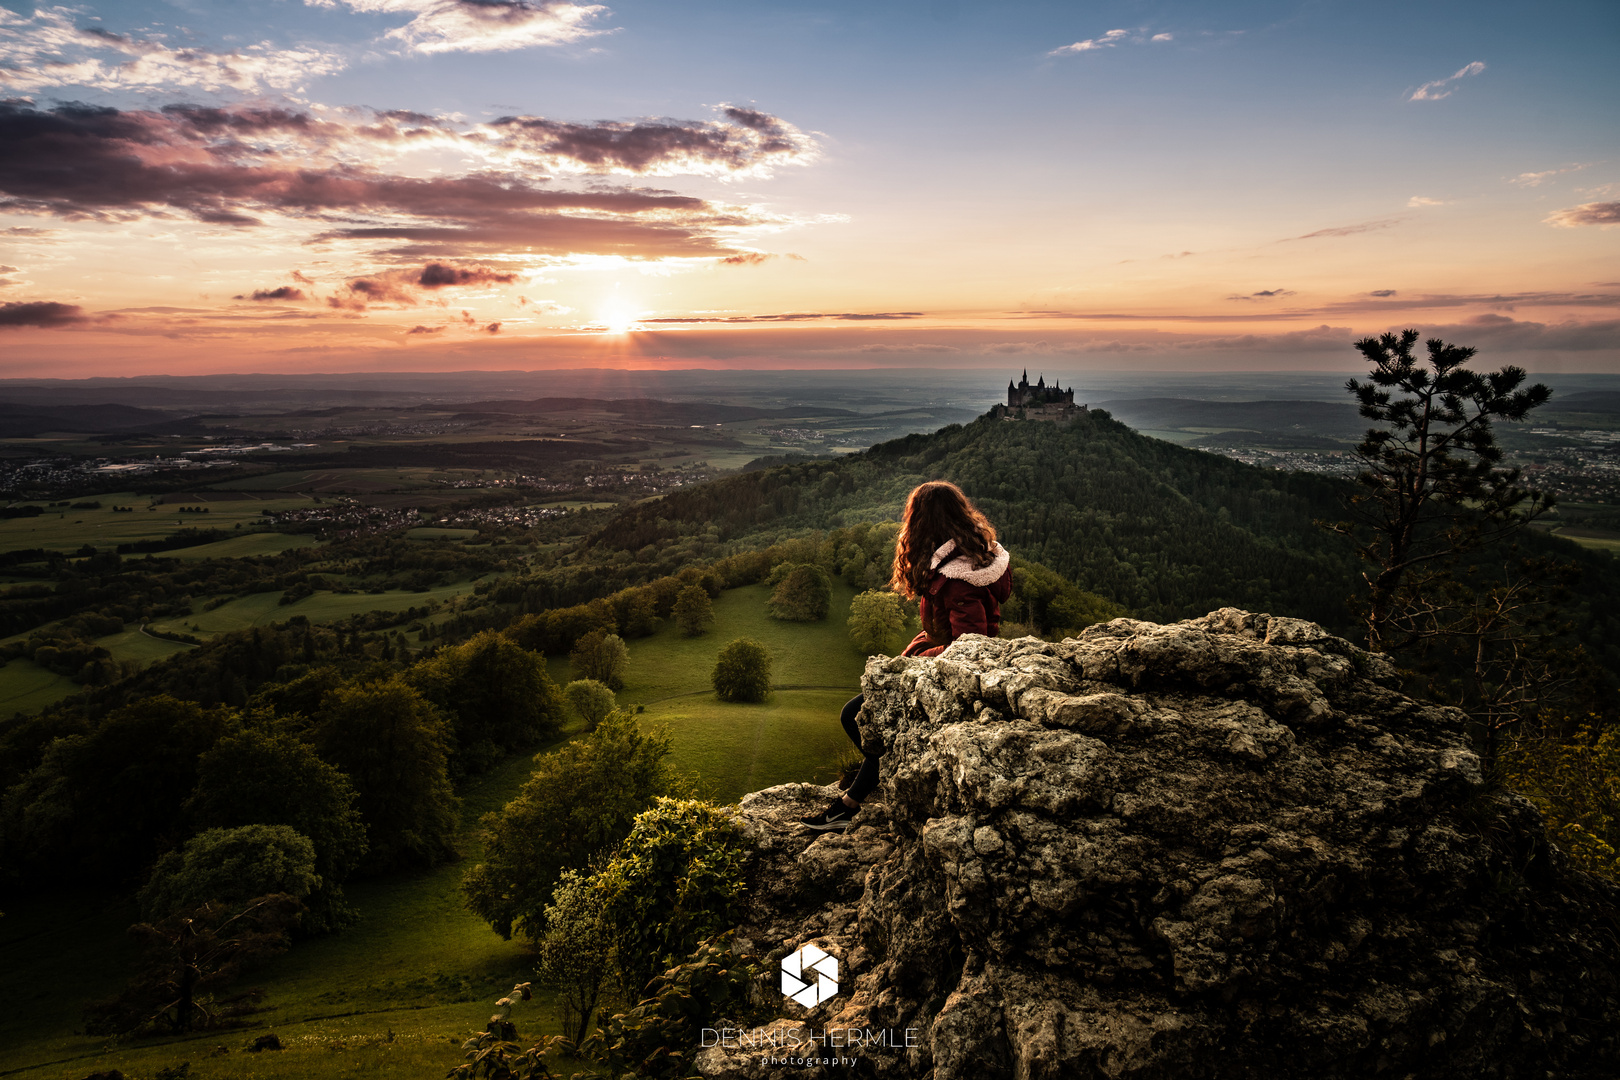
<point>258,777</point>
<point>877,622</point>
<point>576,950</point>
<point>187,957</point>
<point>803,595</point>
<point>694,611</point>
<point>393,746</point>
<point>601,656</point>
<point>580,801</point>
<point>104,804</point>
<point>676,879</point>
<point>743,671</point>
<point>1431,486</point>
<point>590,700</point>
<point>497,695</point>
<point>231,867</point>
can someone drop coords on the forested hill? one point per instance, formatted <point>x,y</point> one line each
<point>1166,531</point>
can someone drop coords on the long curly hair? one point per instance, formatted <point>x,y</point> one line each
<point>936,512</point>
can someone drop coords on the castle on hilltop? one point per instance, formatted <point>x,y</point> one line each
<point>1038,402</point>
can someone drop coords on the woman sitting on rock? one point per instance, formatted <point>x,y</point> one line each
<point>947,559</point>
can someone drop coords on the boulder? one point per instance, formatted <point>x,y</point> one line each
<point>1228,847</point>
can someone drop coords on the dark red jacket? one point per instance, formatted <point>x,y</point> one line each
<point>961,599</point>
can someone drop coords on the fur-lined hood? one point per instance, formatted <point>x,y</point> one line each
<point>963,569</point>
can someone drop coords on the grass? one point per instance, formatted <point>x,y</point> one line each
<point>429,532</point>
<point>259,609</point>
<point>66,529</point>
<point>395,995</point>
<point>27,687</point>
<point>238,547</point>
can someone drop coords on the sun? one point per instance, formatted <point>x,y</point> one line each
<point>618,320</point>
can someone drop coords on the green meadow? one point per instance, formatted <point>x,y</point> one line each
<point>259,609</point>
<point>395,995</point>
<point>66,529</point>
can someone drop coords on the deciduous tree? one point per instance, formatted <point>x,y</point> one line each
<point>742,672</point>
<point>601,656</point>
<point>694,611</point>
<point>877,622</point>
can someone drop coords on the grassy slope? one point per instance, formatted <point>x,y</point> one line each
<point>418,965</point>
<point>258,609</point>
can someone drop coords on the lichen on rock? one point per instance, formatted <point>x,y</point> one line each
<point>1228,847</point>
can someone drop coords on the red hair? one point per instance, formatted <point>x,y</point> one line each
<point>936,512</point>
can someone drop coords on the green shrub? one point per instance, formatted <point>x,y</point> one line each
<point>877,623</point>
<point>676,879</point>
<point>581,800</point>
<point>231,867</point>
<point>590,700</point>
<point>742,672</point>
<point>804,594</point>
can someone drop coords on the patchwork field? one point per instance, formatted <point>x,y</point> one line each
<point>66,529</point>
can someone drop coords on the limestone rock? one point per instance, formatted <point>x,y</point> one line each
<point>1227,847</point>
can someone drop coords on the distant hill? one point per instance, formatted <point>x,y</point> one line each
<point>643,410</point>
<point>21,421</point>
<point>1585,401</point>
<point>1294,419</point>
<point>1166,531</point>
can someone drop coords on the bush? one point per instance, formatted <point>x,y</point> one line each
<point>1576,785</point>
<point>694,611</point>
<point>231,867</point>
<point>877,623</point>
<point>497,694</point>
<point>576,951</point>
<point>601,656</point>
<point>676,879</point>
<point>803,595</point>
<point>393,745</point>
<point>590,700</point>
<point>581,800</point>
<point>743,671</point>
<point>254,777</point>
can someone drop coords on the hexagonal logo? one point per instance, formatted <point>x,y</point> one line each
<point>809,976</point>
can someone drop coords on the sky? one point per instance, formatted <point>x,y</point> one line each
<point>190,186</point>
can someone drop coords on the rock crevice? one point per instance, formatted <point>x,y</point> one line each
<point>1228,847</point>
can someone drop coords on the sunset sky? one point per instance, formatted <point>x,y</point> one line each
<point>388,185</point>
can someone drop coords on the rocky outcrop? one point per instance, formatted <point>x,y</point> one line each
<point>1228,847</point>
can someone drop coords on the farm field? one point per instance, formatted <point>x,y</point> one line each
<point>66,529</point>
<point>258,609</point>
<point>237,547</point>
<point>27,687</point>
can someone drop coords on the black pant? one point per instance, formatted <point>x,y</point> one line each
<point>867,778</point>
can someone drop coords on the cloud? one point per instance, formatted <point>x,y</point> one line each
<point>49,50</point>
<point>1602,214</point>
<point>1500,301</point>
<point>747,258</point>
<point>743,142</point>
<point>1423,200</point>
<point>438,275</point>
<point>493,328</point>
<point>848,316</point>
<point>1442,88</point>
<point>1109,41</point>
<point>424,330</point>
<point>1536,179</point>
<point>1264,294</point>
<point>284,292</point>
<point>42,313</point>
<point>1316,339</point>
<point>482,25</point>
<point>1499,332</point>
<point>1347,230</point>
<point>234,166</point>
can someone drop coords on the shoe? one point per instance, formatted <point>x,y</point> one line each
<point>836,818</point>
